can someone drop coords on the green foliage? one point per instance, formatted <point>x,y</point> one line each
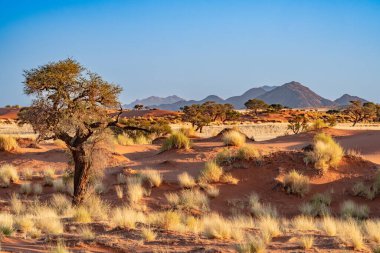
<point>256,105</point>
<point>298,124</point>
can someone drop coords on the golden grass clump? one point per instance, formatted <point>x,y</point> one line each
<point>86,233</point>
<point>253,245</point>
<point>326,152</point>
<point>185,180</point>
<point>47,220</point>
<point>17,207</point>
<point>372,229</point>
<point>329,226</point>
<point>303,223</point>
<point>176,140</point>
<point>306,242</point>
<point>233,138</point>
<point>8,143</point>
<point>25,223</point>
<point>318,206</point>
<point>124,140</point>
<point>61,204</point>
<point>350,234</point>
<point>227,178</point>
<point>258,209</point>
<point>148,234</point>
<point>59,185</point>
<point>217,227</point>
<point>6,224</point>
<point>212,191</point>
<point>318,124</point>
<point>119,192</point>
<point>248,152</point>
<point>59,248</point>
<point>126,217</point>
<point>350,209</point>
<point>49,174</point>
<point>188,199</point>
<point>269,226</point>
<point>296,183</point>
<point>211,172</point>
<point>8,174</point>
<point>82,215</point>
<point>154,177</point>
<point>188,131</point>
<point>170,220</point>
<point>142,140</point>
<point>135,192</point>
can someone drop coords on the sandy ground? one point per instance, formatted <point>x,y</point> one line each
<point>283,155</point>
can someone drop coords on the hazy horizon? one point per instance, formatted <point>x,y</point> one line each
<point>193,49</point>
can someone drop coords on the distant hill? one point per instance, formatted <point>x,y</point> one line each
<point>153,100</point>
<point>295,95</point>
<point>345,99</point>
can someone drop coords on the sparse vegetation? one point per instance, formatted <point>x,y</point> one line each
<point>296,183</point>
<point>258,209</point>
<point>154,177</point>
<point>211,173</point>
<point>185,180</point>
<point>233,138</point>
<point>148,234</point>
<point>188,199</point>
<point>306,242</point>
<point>350,209</point>
<point>176,141</point>
<point>8,174</point>
<point>8,143</point>
<point>326,153</point>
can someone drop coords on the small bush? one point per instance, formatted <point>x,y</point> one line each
<point>211,173</point>
<point>8,174</point>
<point>49,174</point>
<point>254,245</point>
<point>227,178</point>
<point>188,199</point>
<point>318,124</point>
<point>296,183</point>
<point>326,153</point>
<point>258,209</point>
<point>318,206</point>
<point>154,177</point>
<point>185,180</point>
<point>248,152</point>
<point>124,140</point>
<point>306,242</point>
<point>6,224</point>
<point>366,191</point>
<point>350,209</point>
<point>233,138</point>
<point>8,143</point>
<point>176,141</point>
<point>226,157</point>
<point>26,188</point>
<point>349,233</point>
<point>328,225</point>
<point>148,234</point>
<point>59,185</point>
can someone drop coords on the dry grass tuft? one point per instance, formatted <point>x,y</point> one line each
<point>329,226</point>
<point>258,209</point>
<point>350,209</point>
<point>326,153</point>
<point>17,207</point>
<point>248,152</point>
<point>86,233</point>
<point>154,177</point>
<point>49,174</point>
<point>350,234</point>
<point>188,199</point>
<point>253,245</point>
<point>233,138</point>
<point>296,183</point>
<point>306,242</point>
<point>6,224</point>
<point>8,143</point>
<point>269,226</point>
<point>211,173</point>
<point>185,180</point>
<point>148,234</point>
<point>372,228</point>
<point>176,141</point>
<point>303,223</point>
<point>8,174</point>
<point>82,215</point>
<point>126,217</point>
<point>119,191</point>
<point>124,140</point>
<point>227,178</point>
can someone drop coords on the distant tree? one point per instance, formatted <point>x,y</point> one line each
<point>138,107</point>
<point>275,107</point>
<point>256,105</point>
<point>358,112</point>
<point>298,123</point>
<point>72,104</point>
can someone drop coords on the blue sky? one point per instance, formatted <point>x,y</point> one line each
<point>195,48</point>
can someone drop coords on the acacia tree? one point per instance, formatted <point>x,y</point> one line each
<point>72,104</point>
<point>357,111</point>
<point>256,105</point>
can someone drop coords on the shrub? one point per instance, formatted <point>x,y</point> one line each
<point>135,192</point>
<point>372,228</point>
<point>24,223</point>
<point>28,174</point>
<point>318,124</point>
<point>326,153</point>
<point>17,207</point>
<point>188,199</point>
<point>211,173</point>
<point>306,242</point>
<point>233,138</point>
<point>350,234</point>
<point>37,189</point>
<point>49,174</point>
<point>26,188</point>
<point>226,157</point>
<point>217,227</point>
<point>254,245</point>
<point>303,223</point>
<point>86,233</point>
<point>154,177</point>
<point>227,178</point>
<point>148,234</point>
<point>319,205</point>
<point>185,180</point>
<point>170,220</point>
<point>350,209</point>
<point>124,140</point>
<point>82,215</point>
<point>59,185</point>
<point>8,143</point>
<point>368,192</point>
<point>258,209</point>
<point>8,174</point>
<point>61,204</point>
<point>296,183</point>
<point>328,225</point>
<point>6,224</point>
<point>188,131</point>
<point>97,208</point>
<point>248,152</point>
<point>60,248</point>
<point>269,226</point>
<point>126,217</point>
<point>142,140</point>
<point>176,141</point>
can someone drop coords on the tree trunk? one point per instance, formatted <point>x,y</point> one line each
<point>81,174</point>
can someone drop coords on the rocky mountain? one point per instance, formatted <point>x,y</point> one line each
<point>154,101</point>
<point>238,101</point>
<point>295,95</point>
<point>176,106</point>
<point>345,99</point>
